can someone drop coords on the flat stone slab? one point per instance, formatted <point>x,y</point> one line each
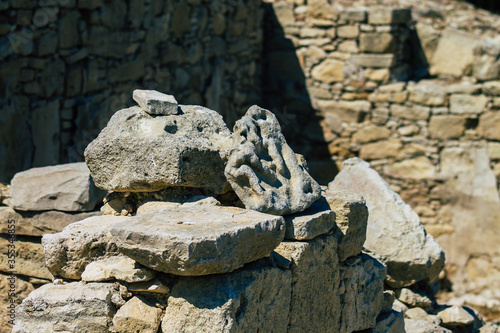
<point>314,221</point>
<point>154,102</point>
<point>198,240</point>
<point>64,187</point>
<point>117,267</point>
<point>139,152</point>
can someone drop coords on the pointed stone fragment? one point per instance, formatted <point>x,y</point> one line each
<point>314,221</point>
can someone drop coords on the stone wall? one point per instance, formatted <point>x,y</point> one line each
<point>419,100</point>
<point>68,65</point>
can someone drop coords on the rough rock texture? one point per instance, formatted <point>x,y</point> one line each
<point>351,217</point>
<point>314,221</point>
<point>28,259</point>
<point>68,252</point>
<point>315,301</point>
<point>395,234</point>
<point>455,316</point>
<point>65,187</point>
<point>264,171</point>
<point>413,299</point>
<point>140,152</point>
<point>458,43</point>
<point>39,223</point>
<point>361,293</point>
<point>73,307</point>
<point>14,289</point>
<point>423,326</point>
<point>253,298</point>
<point>116,267</point>
<point>156,103</point>
<point>391,322</point>
<point>137,316</point>
<point>198,240</point>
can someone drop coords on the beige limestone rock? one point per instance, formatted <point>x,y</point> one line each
<point>329,71</point>
<point>413,299</point>
<point>141,152</point>
<point>39,223</point>
<point>348,31</point>
<point>428,92</point>
<point>391,322</point>
<point>19,290</point>
<point>414,112</point>
<point>458,43</point>
<point>491,88</point>
<point>198,240</point>
<point>381,149</point>
<point>373,60</point>
<point>137,315</point>
<point>351,217</point>
<point>423,326</point>
<point>65,187</point>
<point>315,301</point>
<point>361,292</point>
<point>284,13</point>
<point>377,42</point>
<point>264,171</point>
<point>312,222</point>
<point>28,258</point>
<point>445,127</point>
<point>486,61</point>
<point>489,125</point>
<point>72,307</point>
<point>371,133</point>
<point>116,267</point>
<point>321,9</point>
<point>455,316</point>
<point>68,252</point>
<point>156,103</point>
<point>395,234</point>
<point>462,103</point>
<point>388,15</point>
<point>255,297</point>
<point>417,168</point>
<point>353,14</point>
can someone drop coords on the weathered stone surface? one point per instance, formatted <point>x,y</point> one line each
<point>351,217</point>
<point>140,152</point>
<point>156,103</point>
<point>314,221</point>
<point>19,290</point>
<point>371,133</point>
<point>39,223</point>
<point>489,125</point>
<point>116,267</point>
<point>348,31</point>
<point>321,9</point>
<point>416,168</point>
<point>72,307</point>
<point>395,234</point>
<point>361,293</point>
<point>255,297</point>
<point>329,71</point>
<point>28,259</point>
<point>423,326</point>
<point>413,299</point>
<point>392,322</point>
<point>458,43</point>
<point>353,14</point>
<point>68,252</point>
<point>486,61</point>
<point>377,43</point>
<point>387,15</point>
<point>428,92</point>
<point>491,88</point>
<point>264,171</point>
<point>380,149</point>
<point>198,240</point>
<point>461,103</point>
<point>315,300</point>
<point>414,112</point>
<point>137,315</point>
<point>455,316</point>
<point>373,60</point>
<point>444,127</point>
<point>347,111</point>
<point>65,187</point>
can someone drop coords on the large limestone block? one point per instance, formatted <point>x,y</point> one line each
<point>39,223</point>
<point>264,171</point>
<point>361,293</point>
<point>428,92</point>
<point>251,299</point>
<point>329,71</point>
<point>351,217</point>
<point>156,103</point>
<point>395,234</point>
<point>462,103</point>
<point>446,126</point>
<point>198,240</point>
<point>454,42</point>
<point>489,125</point>
<point>141,152</point>
<point>315,301</point>
<point>137,315</point>
<point>72,307</point>
<point>67,253</point>
<point>486,59</point>
<point>314,221</point>
<point>65,187</point>
<point>28,259</point>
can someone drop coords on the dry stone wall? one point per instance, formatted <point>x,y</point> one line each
<point>67,65</point>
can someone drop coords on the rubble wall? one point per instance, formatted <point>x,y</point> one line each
<point>68,65</point>
<point>412,88</point>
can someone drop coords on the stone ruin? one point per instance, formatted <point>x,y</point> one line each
<point>208,230</point>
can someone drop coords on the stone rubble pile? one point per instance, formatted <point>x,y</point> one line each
<point>175,250</point>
